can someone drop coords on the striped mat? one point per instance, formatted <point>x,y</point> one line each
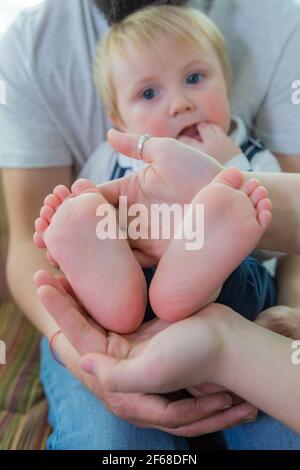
<point>23,408</point>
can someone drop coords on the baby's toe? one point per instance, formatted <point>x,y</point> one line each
<point>38,241</point>
<point>258,194</point>
<point>47,212</point>
<point>62,192</point>
<point>264,218</point>
<point>250,186</point>
<point>53,201</point>
<point>230,177</point>
<point>264,205</point>
<point>83,185</point>
<point>41,225</point>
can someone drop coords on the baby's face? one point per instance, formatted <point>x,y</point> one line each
<point>167,98</point>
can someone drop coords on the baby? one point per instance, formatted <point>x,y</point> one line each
<point>163,71</point>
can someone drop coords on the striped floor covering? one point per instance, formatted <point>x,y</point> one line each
<point>23,408</point>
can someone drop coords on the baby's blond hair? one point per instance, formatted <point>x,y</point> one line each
<point>144,29</point>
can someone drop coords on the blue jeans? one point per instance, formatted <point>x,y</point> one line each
<point>81,422</point>
<point>249,290</point>
<point>266,433</point>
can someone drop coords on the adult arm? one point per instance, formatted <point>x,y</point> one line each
<point>267,376</point>
<point>217,346</point>
<point>24,192</point>
<point>285,318</point>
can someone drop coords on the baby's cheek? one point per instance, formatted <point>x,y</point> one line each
<point>218,111</point>
<point>159,128</point>
<point>152,123</point>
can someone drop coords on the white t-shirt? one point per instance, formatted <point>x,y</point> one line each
<point>53,115</point>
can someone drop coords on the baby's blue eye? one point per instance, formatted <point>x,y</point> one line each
<point>149,94</point>
<point>194,78</point>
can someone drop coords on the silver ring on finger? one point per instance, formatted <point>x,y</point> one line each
<point>141,143</point>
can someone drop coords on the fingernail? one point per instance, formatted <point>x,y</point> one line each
<point>249,419</point>
<point>227,404</point>
<point>225,407</point>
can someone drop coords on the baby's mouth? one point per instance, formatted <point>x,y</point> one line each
<point>192,132</point>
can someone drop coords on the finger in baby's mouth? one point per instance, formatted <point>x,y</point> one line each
<point>192,132</point>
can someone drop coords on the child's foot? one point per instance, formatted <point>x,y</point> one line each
<point>104,274</point>
<point>51,203</point>
<point>236,214</point>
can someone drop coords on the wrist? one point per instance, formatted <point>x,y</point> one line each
<point>223,321</point>
<point>218,320</point>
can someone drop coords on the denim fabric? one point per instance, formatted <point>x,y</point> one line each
<point>266,433</point>
<point>249,290</point>
<point>81,422</point>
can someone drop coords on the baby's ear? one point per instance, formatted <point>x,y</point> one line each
<point>117,122</point>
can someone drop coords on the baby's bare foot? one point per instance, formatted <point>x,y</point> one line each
<point>104,274</point>
<point>236,214</point>
<point>51,203</point>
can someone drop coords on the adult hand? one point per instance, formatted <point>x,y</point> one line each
<point>160,367</point>
<point>282,320</point>
<point>214,141</point>
<point>202,390</point>
<point>170,164</point>
<point>176,172</point>
<point>186,417</point>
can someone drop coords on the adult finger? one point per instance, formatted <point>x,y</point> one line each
<point>127,144</point>
<point>112,190</point>
<point>186,140</point>
<point>208,389</point>
<point>139,372</point>
<point>225,419</point>
<point>65,284</point>
<point>158,411</point>
<point>76,328</point>
<point>208,130</point>
<point>43,277</point>
<point>205,389</point>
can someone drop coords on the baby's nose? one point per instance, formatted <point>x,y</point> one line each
<point>180,104</point>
